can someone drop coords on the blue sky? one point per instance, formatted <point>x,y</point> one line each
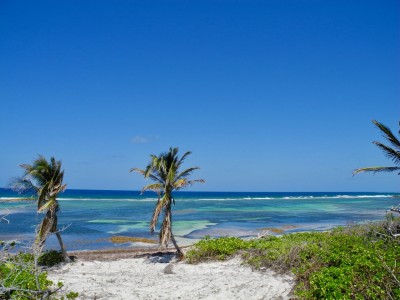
<point>268,95</point>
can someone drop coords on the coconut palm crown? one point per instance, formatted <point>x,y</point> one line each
<point>392,151</point>
<point>164,171</point>
<point>45,178</point>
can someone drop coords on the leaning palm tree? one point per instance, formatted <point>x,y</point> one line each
<point>45,178</point>
<point>392,152</point>
<point>164,171</point>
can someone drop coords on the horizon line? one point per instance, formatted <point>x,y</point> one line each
<point>124,190</point>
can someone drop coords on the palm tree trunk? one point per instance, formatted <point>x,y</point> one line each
<point>168,217</point>
<point>64,252</point>
<point>179,252</point>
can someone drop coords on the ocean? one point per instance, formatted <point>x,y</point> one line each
<point>90,218</point>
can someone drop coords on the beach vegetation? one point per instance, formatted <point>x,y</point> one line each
<point>22,278</point>
<point>391,151</point>
<point>45,179</point>
<point>354,262</point>
<point>164,171</point>
<point>212,249</point>
<point>51,258</point>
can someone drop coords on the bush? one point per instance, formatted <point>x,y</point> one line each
<point>21,279</point>
<point>351,266</point>
<point>50,258</point>
<point>357,262</point>
<point>17,275</point>
<point>220,249</point>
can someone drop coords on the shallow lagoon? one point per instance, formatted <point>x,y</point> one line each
<point>91,218</point>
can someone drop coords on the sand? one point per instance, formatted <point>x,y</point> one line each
<point>159,276</point>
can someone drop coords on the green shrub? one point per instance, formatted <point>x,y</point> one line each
<point>219,249</point>
<point>356,262</point>
<point>18,280</point>
<point>50,258</point>
<point>352,266</point>
<point>72,295</point>
<point>18,272</point>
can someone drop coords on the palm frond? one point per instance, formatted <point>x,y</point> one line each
<point>140,171</point>
<point>387,134</point>
<point>156,214</point>
<point>183,182</point>
<point>376,169</point>
<point>47,205</point>
<point>172,153</point>
<point>143,172</point>
<point>187,172</point>
<point>155,187</point>
<point>389,152</point>
<point>171,175</point>
<point>393,154</point>
<point>59,188</point>
<point>187,153</point>
<point>40,170</point>
<point>152,166</point>
<point>23,185</point>
<point>48,225</point>
<point>43,194</point>
<point>27,168</point>
<point>180,183</point>
<point>191,182</point>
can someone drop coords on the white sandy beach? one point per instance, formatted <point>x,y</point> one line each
<point>148,278</point>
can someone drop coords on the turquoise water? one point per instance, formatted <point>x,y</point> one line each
<point>91,218</point>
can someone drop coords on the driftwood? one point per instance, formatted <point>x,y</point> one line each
<point>263,234</point>
<point>3,218</point>
<point>396,209</point>
<point>393,226</point>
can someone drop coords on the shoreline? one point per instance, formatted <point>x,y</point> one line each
<point>119,253</point>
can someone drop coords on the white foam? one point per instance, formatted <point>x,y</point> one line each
<point>108,199</point>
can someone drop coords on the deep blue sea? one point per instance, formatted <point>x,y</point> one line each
<point>91,217</point>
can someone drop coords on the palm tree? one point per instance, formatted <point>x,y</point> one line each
<point>46,180</point>
<point>164,171</point>
<point>391,152</point>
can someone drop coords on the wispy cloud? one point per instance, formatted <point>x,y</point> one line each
<point>139,139</point>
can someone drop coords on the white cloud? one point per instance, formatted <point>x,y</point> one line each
<point>140,139</point>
